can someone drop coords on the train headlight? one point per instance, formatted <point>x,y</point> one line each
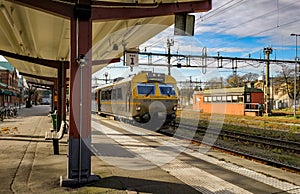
<point>138,108</point>
<point>174,108</point>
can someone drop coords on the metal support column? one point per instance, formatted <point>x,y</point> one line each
<point>55,105</point>
<point>52,98</point>
<point>61,103</point>
<point>79,160</point>
<point>61,95</point>
<point>295,75</point>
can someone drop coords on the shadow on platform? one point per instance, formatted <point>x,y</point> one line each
<point>144,186</point>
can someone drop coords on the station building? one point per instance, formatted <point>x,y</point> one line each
<point>230,101</point>
<point>10,85</point>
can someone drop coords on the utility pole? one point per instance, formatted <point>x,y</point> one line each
<point>295,75</point>
<point>170,42</point>
<point>267,52</point>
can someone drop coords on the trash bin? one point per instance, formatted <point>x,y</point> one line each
<point>54,118</point>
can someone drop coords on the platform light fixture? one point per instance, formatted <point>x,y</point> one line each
<point>115,47</point>
<point>81,60</point>
<point>184,24</point>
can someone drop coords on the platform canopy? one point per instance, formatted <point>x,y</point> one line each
<point>35,35</point>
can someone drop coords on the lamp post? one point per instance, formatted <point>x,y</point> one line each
<point>170,42</point>
<point>295,75</point>
<point>106,74</point>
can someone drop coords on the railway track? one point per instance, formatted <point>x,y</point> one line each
<point>232,137</point>
<point>225,137</point>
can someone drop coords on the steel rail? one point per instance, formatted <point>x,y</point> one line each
<point>244,154</point>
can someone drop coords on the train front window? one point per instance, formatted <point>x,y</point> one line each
<point>166,90</point>
<point>146,89</point>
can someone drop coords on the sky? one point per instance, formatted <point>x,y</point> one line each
<point>233,28</point>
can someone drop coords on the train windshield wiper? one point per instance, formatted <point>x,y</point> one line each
<point>150,91</point>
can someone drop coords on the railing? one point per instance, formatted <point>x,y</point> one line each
<point>253,107</point>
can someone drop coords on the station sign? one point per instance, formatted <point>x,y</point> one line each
<point>132,59</point>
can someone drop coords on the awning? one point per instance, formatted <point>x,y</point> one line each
<point>7,92</point>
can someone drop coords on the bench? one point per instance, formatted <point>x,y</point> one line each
<point>57,135</point>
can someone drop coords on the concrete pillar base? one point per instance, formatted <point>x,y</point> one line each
<point>66,182</point>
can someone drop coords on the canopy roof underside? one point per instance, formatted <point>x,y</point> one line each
<point>30,32</point>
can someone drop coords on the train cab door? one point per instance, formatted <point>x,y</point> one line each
<point>99,100</point>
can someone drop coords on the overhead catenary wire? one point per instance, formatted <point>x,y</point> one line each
<point>259,31</point>
<point>208,16</point>
<point>260,17</point>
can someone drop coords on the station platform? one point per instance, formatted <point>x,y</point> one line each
<point>29,166</point>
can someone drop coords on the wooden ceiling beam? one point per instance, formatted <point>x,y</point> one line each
<point>44,62</point>
<point>40,84</point>
<point>117,11</point>
<point>52,63</point>
<point>50,79</point>
<point>101,10</point>
<point>106,61</point>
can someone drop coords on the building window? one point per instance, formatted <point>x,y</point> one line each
<point>209,99</point>
<point>229,98</point>
<point>234,99</point>
<point>240,99</point>
<point>223,98</point>
<point>248,98</point>
<point>214,98</point>
<point>119,94</point>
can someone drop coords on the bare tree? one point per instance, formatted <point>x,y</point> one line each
<point>285,78</point>
<point>214,83</point>
<point>31,92</point>
<point>249,77</point>
<point>234,81</point>
<point>240,81</point>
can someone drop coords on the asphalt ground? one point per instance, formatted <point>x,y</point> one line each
<point>28,165</point>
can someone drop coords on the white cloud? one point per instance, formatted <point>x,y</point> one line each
<point>227,49</point>
<point>2,58</point>
<point>237,28</point>
<point>275,19</point>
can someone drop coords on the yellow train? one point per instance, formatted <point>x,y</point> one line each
<point>148,98</point>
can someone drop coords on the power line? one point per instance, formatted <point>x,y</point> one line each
<point>262,31</point>
<point>255,33</point>
<point>259,17</point>
<point>266,30</point>
<point>216,9</point>
<point>220,12</point>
